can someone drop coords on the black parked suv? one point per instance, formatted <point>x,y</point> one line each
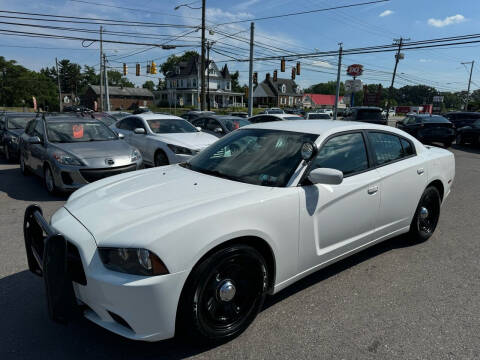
<point>429,128</point>
<point>461,119</point>
<point>12,125</point>
<point>367,114</point>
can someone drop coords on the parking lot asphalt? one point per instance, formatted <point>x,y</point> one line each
<point>392,301</point>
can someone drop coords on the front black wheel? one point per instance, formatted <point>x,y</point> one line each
<point>160,159</point>
<point>23,168</point>
<point>459,140</point>
<point>447,144</point>
<point>224,294</point>
<point>426,216</point>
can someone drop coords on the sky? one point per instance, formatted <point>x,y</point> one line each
<point>368,25</point>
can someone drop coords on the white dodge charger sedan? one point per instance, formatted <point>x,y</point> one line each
<point>194,248</point>
<point>163,139</point>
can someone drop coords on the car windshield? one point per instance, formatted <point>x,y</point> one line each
<point>107,119</point>
<point>369,114</point>
<point>68,132</point>
<point>275,111</point>
<point>435,119</point>
<point>293,118</point>
<point>234,123</point>
<point>19,122</point>
<point>255,156</point>
<point>318,116</point>
<point>171,126</point>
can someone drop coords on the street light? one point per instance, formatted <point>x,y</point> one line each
<point>188,6</point>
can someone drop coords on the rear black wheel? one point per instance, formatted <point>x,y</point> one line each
<point>426,216</point>
<point>23,168</point>
<point>8,157</point>
<point>160,158</point>
<point>224,294</point>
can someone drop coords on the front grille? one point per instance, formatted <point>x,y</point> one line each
<point>92,175</point>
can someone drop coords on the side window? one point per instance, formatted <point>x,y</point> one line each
<point>256,119</point>
<point>346,153</point>
<point>212,124</point>
<point>127,124</point>
<point>199,123</point>
<point>407,147</point>
<point>30,127</point>
<point>137,123</point>
<point>387,147</point>
<point>38,131</point>
<point>121,124</point>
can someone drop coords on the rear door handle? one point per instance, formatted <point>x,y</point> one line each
<point>372,189</point>
<point>420,171</point>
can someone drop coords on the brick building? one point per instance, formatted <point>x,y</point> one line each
<point>120,97</point>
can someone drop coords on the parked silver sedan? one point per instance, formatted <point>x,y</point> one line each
<point>69,151</point>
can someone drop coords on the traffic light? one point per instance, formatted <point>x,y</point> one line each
<point>255,77</point>
<point>153,69</point>
<point>137,69</point>
<point>275,75</point>
<point>298,67</point>
<point>125,69</point>
<point>282,65</point>
<point>246,91</point>
<point>148,68</point>
<point>294,70</point>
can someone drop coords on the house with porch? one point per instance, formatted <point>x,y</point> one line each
<point>182,86</point>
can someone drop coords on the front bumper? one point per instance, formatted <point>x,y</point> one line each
<point>136,307</point>
<point>68,177</point>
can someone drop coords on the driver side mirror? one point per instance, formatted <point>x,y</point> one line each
<point>325,176</point>
<point>218,130</point>
<point>198,128</point>
<point>34,140</point>
<point>140,131</point>
<point>121,136</point>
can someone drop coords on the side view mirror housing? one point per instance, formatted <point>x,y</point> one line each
<point>218,130</point>
<point>325,176</point>
<point>34,140</point>
<point>140,131</point>
<point>121,136</point>
<point>198,128</point>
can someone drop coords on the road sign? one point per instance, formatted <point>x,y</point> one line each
<point>355,70</point>
<point>353,85</point>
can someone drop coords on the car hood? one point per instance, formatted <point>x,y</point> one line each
<point>196,140</point>
<point>167,197</point>
<point>96,149</point>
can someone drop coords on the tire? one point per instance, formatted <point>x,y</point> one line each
<point>447,144</point>
<point>49,181</point>
<point>459,140</point>
<point>160,158</point>
<point>223,294</point>
<point>426,215</point>
<point>8,157</point>
<point>23,168</point>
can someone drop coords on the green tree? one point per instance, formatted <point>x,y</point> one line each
<point>235,83</point>
<point>328,88</point>
<point>149,84</point>
<point>116,78</point>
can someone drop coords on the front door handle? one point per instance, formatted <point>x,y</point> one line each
<point>372,190</point>
<point>420,171</point>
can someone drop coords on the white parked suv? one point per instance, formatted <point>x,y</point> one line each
<point>163,139</point>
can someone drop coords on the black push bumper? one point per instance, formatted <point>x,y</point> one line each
<point>51,256</point>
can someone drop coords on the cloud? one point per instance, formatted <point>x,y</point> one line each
<point>323,64</point>
<point>449,20</point>
<point>386,13</point>
<point>245,5</point>
<point>425,60</point>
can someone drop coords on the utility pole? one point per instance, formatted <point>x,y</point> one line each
<point>469,82</point>
<point>209,45</point>
<point>60,107</point>
<point>202,62</point>
<point>107,94</point>
<point>398,56</point>
<point>101,67</point>
<point>337,94</point>
<point>250,72</point>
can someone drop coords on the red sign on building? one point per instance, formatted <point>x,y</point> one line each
<point>355,70</point>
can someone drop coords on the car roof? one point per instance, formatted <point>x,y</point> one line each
<point>320,127</point>
<point>153,116</point>
<point>367,107</point>
<point>283,115</point>
<point>20,114</point>
<point>69,118</point>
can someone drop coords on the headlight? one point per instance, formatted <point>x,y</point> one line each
<point>181,150</point>
<point>132,261</point>
<point>135,156</point>
<point>14,139</point>
<point>65,159</point>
